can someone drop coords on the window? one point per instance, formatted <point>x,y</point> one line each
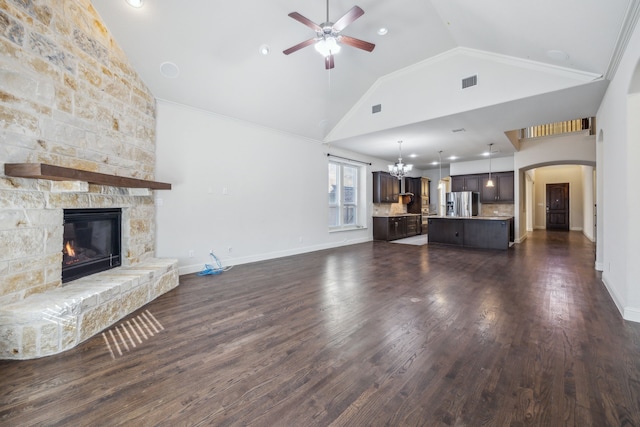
<point>344,194</point>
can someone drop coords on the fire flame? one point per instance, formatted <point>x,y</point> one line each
<point>68,248</point>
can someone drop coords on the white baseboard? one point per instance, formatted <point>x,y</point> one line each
<point>632,314</point>
<point>614,296</point>
<point>230,261</point>
<point>599,266</point>
<point>521,238</point>
<point>575,228</point>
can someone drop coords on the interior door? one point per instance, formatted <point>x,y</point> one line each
<point>558,206</point>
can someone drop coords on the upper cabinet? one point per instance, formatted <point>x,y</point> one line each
<point>419,187</point>
<point>425,188</point>
<point>465,182</point>
<point>501,192</point>
<point>386,188</point>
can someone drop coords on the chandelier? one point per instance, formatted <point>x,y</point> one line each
<point>399,169</point>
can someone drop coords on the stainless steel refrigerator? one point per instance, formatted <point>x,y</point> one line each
<point>463,203</point>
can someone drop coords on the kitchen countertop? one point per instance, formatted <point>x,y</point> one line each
<point>395,215</point>
<point>488,218</point>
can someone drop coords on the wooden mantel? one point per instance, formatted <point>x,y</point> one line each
<point>59,173</point>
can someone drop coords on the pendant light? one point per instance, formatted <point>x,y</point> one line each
<point>490,181</point>
<point>440,163</point>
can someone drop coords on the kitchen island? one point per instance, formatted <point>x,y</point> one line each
<point>485,232</point>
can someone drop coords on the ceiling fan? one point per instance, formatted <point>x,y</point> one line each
<point>328,37</point>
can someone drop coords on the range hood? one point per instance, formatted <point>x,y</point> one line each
<point>405,198</point>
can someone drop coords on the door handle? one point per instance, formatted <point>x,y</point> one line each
<point>547,208</point>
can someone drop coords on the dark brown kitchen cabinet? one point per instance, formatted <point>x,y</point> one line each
<point>395,227</point>
<point>413,186</point>
<point>386,188</point>
<point>389,228</point>
<point>502,190</point>
<point>413,225</point>
<point>466,182</point>
<point>457,183</point>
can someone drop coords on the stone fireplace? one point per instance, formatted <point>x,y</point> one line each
<point>69,99</point>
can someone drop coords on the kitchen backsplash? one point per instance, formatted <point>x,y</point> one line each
<point>491,209</point>
<point>384,209</point>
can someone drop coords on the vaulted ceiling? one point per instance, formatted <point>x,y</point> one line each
<point>535,62</point>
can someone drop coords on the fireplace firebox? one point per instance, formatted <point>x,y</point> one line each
<point>91,242</point>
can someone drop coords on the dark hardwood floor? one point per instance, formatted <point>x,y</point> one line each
<point>366,335</point>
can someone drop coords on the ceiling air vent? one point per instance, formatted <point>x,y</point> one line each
<point>376,108</point>
<point>469,81</point>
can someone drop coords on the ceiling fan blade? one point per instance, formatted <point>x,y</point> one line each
<point>306,21</point>
<point>328,62</point>
<point>354,13</point>
<point>360,44</point>
<point>299,46</point>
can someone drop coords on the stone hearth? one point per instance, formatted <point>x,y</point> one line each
<point>57,320</point>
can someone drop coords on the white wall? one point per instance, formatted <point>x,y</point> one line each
<point>530,196</point>
<point>632,310</point>
<point>619,133</point>
<point>588,201</point>
<point>275,184</point>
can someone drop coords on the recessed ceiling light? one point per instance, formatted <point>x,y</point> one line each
<point>435,163</point>
<point>383,31</point>
<point>135,3</point>
<point>413,155</point>
<point>453,158</point>
<point>264,50</point>
<point>559,55</point>
<point>169,70</point>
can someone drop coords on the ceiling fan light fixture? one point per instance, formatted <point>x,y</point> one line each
<point>328,45</point>
<point>328,38</point>
<point>135,3</point>
<point>264,50</point>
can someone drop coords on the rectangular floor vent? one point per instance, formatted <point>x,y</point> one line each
<point>469,81</point>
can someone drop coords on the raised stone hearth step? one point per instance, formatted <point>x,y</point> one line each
<point>57,320</point>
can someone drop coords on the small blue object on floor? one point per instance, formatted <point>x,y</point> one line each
<point>211,269</point>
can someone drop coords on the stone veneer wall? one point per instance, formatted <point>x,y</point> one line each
<point>68,97</point>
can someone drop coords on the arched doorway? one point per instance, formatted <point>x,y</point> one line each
<point>581,198</point>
